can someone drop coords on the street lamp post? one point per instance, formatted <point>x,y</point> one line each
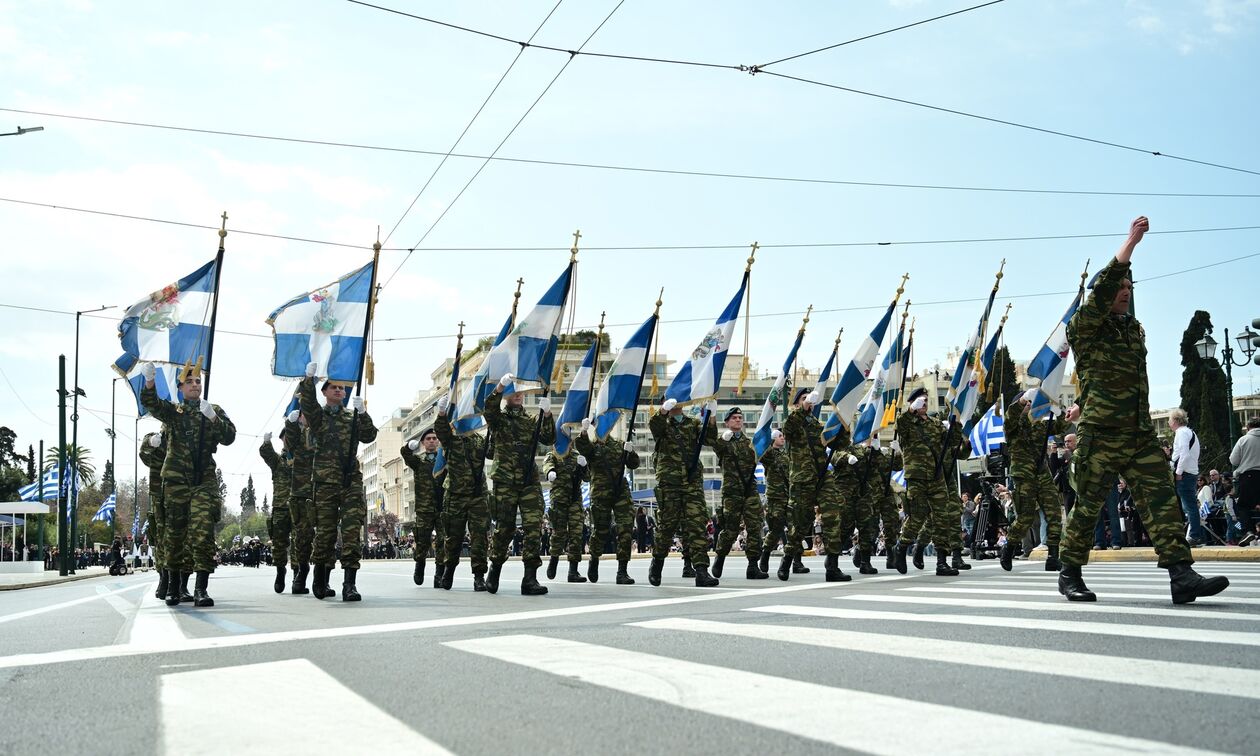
<point>1207,349</point>
<point>22,131</point>
<point>74,420</point>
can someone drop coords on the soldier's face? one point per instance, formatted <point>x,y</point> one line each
<point>1120,305</point>
<point>430,443</point>
<point>334,395</point>
<point>514,401</point>
<point>779,441</point>
<point>191,389</point>
<point>735,424</point>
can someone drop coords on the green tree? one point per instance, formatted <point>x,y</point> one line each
<point>8,441</point>
<point>266,508</point>
<point>11,480</point>
<point>1203,395</point>
<point>31,462</point>
<point>229,531</point>
<point>76,457</point>
<point>107,478</point>
<point>1001,383</point>
<point>218,476</point>
<point>249,498</point>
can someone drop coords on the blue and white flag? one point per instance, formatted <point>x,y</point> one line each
<point>166,381</point>
<point>529,351</point>
<point>701,375</point>
<point>852,387</point>
<point>33,492</point>
<point>106,511</point>
<point>586,496</point>
<point>439,462</point>
<point>763,437</point>
<point>577,401</point>
<point>964,390</point>
<point>871,409</point>
<point>1050,364</point>
<point>472,398</point>
<point>135,522</point>
<point>988,433</point>
<point>823,377</point>
<point>172,325</point>
<point>619,393</point>
<point>324,326</point>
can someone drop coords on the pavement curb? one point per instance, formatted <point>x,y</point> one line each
<point>56,581</point>
<point>1138,554</point>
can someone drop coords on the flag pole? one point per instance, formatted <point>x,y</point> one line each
<point>351,446</point>
<point>743,368</point>
<point>209,358</point>
<point>656,319</point>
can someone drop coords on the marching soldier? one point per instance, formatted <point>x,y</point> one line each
<point>610,498</point>
<point>301,500</point>
<point>1115,437</point>
<point>566,475</point>
<point>680,487</point>
<point>465,504</point>
<point>925,446</point>
<point>280,524</point>
<point>865,494</point>
<point>884,505</point>
<point>1033,489</point>
<point>740,501</point>
<point>516,486</point>
<point>194,430</point>
<point>335,435</point>
<point>429,500</point>
<point>812,485</point>
<point>775,462</point>
<point>152,454</point>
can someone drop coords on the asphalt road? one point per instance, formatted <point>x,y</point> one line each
<point>984,662</point>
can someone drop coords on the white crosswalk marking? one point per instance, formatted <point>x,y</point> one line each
<point>305,711</point>
<point>1059,605</point>
<point>1190,635</point>
<point>154,625</point>
<point>841,717</point>
<point>1109,669</point>
<point>1129,585</point>
<point>1219,600</point>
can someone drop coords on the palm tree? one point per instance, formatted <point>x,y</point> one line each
<point>87,471</point>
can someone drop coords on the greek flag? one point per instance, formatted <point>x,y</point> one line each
<point>439,462</point>
<point>472,400</point>
<point>823,377</point>
<point>173,324</point>
<point>135,522</point>
<point>1051,362</point>
<point>848,394</point>
<point>964,390</point>
<point>106,512</point>
<point>44,492</point>
<point>324,326</point>
<point>166,380</point>
<point>529,351</point>
<point>988,434</point>
<point>577,401</point>
<point>762,437</point>
<point>619,393</point>
<point>871,410</point>
<point>700,376</point>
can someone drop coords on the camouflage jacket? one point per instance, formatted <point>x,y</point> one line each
<point>738,459</point>
<point>517,435</point>
<point>678,439</point>
<point>281,474</point>
<point>807,455</point>
<point>603,460</point>
<point>925,447</point>
<point>428,487</point>
<point>1110,358</point>
<point>465,459</point>
<point>567,487</point>
<point>328,435</point>
<point>852,479</point>
<point>301,462</point>
<point>887,464</point>
<point>1026,439</point>
<point>153,458</point>
<point>775,461</point>
<point>183,436</point>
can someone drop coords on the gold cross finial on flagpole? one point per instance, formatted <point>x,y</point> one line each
<point>1005,314</point>
<point>838,335</point>
<point>901,288</point>
<point>577,235</point>
<point>752,256</point>
<point>1001,268</point>
<point>660,300</point>
<point>905,312</point>
<point>1085,273</point>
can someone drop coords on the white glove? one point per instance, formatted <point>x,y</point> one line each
<point>357,404</point>
<point>413,444</point>
<point>875,442</point>
<point>207,409</point>
<point>711,407</point>
<point>442,404</point>
<point>668,405</point>
<point>310,369</point>
<point>293,416</point>
<point>551,477</point>
<point>919,403</point>
<point>581,461</point>
<point>586,424</point>
<point>505,380</point>
<point>267,437</point>
<point>155,440</point>
<point>149,370</point>
<point>1030,395</point>
<point>813,397</point>
<point>852,460</point>
<point>945,424</point>
<point>544,405</point>
<point>727,435</point>
<point>627,447</point>
<point>895,446</point>
<point>775,433</point>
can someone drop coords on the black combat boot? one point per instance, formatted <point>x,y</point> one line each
<point>957,561</point>
<point>832,570</point>
<point>279,584</point>
<point>1073,586</point>
<point>163,581</point>
<point>785,567</point>
<point>348,591</point>
<point>719,562</point>
<point>574,575</point>
<point>890,555</point>
<point>942,566</point>
<point>299,580</point>
<point>703,578</point>
<point>688,570</point>
<point>865,568</point>
<point>530,585</point>
<point>763,564</point>
<point>200,597</point>
<point>417,577</point>
<point>592,569</point>
<point>857,557</point>
<point>1052,559</point>
<point>552,564</point>
<point>184,596</point>
<point>448,575</point>
<point>438,570</point>
<point>492,581</point>
<point>1007,556</point>
<point>479,582</point>
<point>1188,585</point>
<point>172,587</point>
<point>754,571</point>
<point>654,570</point>
<point>901,549</point>
<point>319,582</point>
<point>917,560</point>
<point>797,567</point>
<point>623,572</point>
<point>329,592</point>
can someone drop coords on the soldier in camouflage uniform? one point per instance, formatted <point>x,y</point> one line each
<point>195,429</point>
<point>812,485</point>
<point>865,492</point>
<point>926,446</point>
<point>280,524</point>
<point>465,505</point>
<point>301,500</point>
<point>1033,489</point>
<point>566,473</point>
<point>851,468</point>
<point>335,435</point>
<point>884,502</point>
<point>516,485</point>
<point>680,489</point>
<point>152,455</point>
<point>740,501</point>
<point>775,462</point>
<point>429,499</point>
<point>1115,436</point>
<point>610,498</point>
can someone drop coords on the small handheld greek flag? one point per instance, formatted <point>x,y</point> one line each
<point>324,326</point>
<point>988,433</point>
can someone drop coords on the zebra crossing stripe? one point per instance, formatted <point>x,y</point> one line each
<point>1057,606</point>
<point>1197,678</point>
<point>1131,585</point>
<point>1222,600</point>
<point>840,717</point>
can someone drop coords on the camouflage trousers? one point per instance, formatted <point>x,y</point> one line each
<point>429,531</point>
<point>566,527</point>
<point>1031,495</point>
<point>924,498</point>
<point>682,510</point>
<point>302,513</point>
<point>805,497</point>
<point>885,514</point>
<point>777,521</point>
<point>1100,458</point>
<point>746,510</point>
<point>526,499</point>
<point>338,506</point>
<point>280,528</point>
<point>471,513</point>
<point>856,514</point>
<point>157,527</point>
<point>191,512</point>
<point>944,524</point>
<point>604,513</point>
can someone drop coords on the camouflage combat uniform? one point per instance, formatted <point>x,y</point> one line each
<point>680,485</point>
<point>430,497</point>
<point>517,435</point>
<point>926,447</point>
<point>853,484</point>
<point>152,458</point>
<point>775,462</point>
<point>465,504</point>
<point>740,501</point>
<point>610,495</point>
<point>565,514</point>
<point>1026,441</point>
<point>884,505</point>
<point>301,495</point>
<point>280,524</point>
<point>812,485</point>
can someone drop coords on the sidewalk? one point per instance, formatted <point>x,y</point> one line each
<point>48,577</point>
<point>1147,554</point>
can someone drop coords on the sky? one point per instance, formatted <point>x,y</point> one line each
<point>1175,77</point>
